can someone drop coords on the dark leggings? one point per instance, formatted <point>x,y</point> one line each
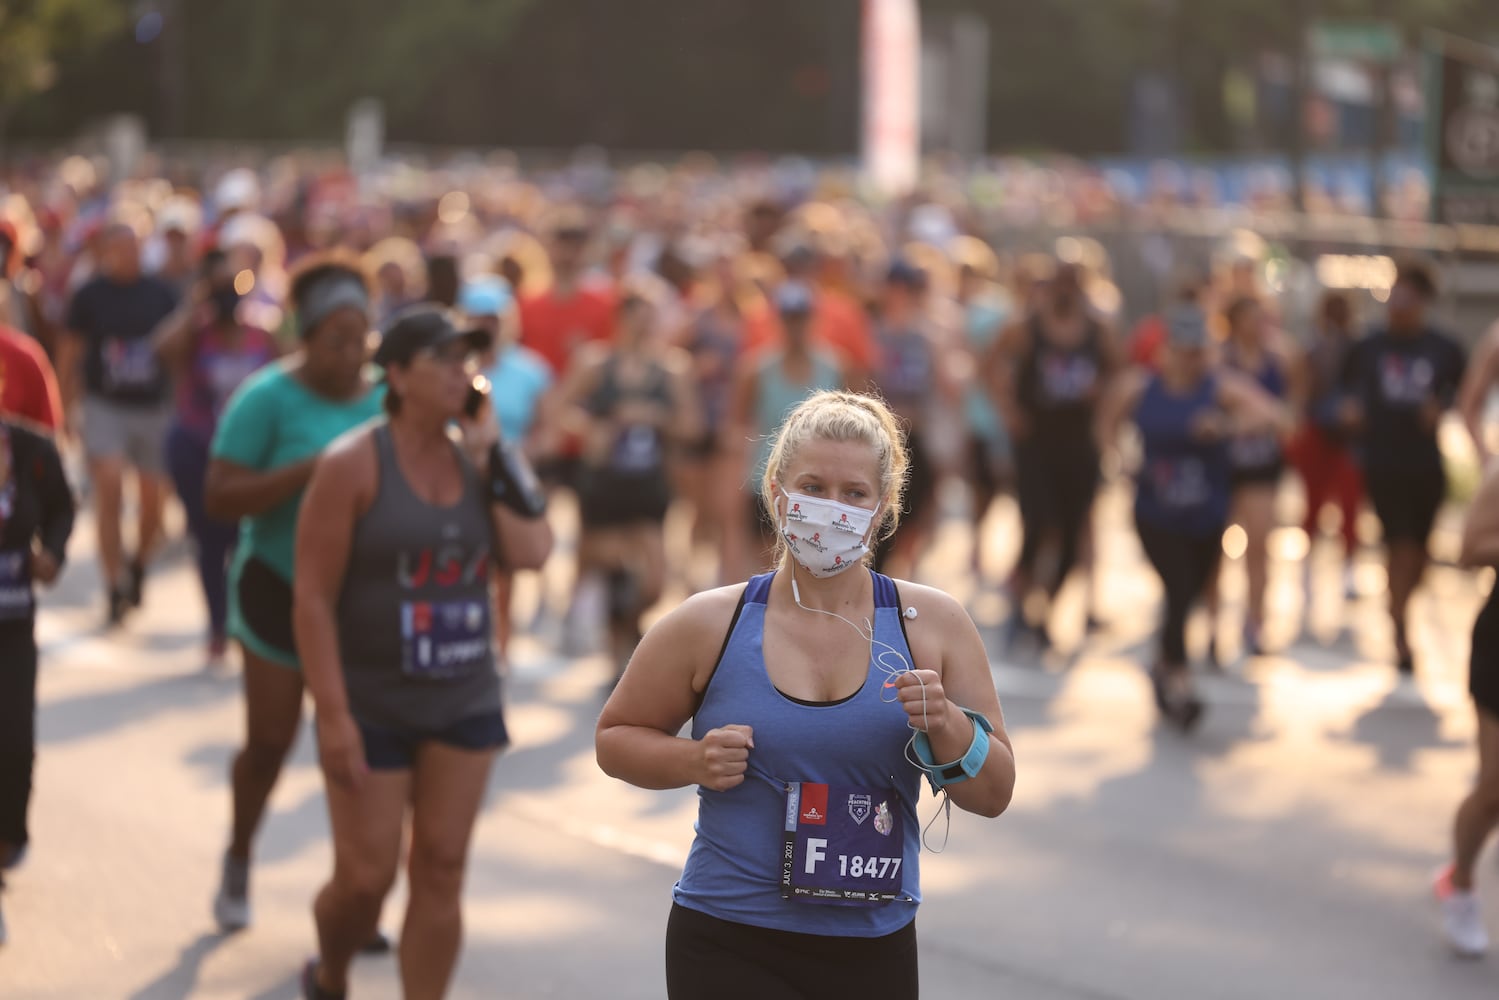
<point>1184,563</point>
<point>17,727</point>
<point>187,458</point>
<point>1055,488</point>
<point>712,959</point>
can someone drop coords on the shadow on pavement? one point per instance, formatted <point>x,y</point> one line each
<point>1398,728</point>
<point>97,713</point>
<point>179,982</point>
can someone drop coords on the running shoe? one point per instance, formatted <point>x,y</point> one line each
<point>310,988</point>
<point>1462,917</point>
<point>1252,646</point>
<point>1350,584</point>
<point>377,945</point>
<point>231,907</point>
<point>119,605</point>
<point>135,586</point>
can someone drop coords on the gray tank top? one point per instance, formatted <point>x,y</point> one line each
<point>414,622</point>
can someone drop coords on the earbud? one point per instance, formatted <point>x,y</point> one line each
<point>910,614</point>
<point>796,592</point>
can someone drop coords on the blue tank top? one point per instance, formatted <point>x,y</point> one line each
<point>734,869</point>
<point>1183,483</point>
<point>1252,452</point>
<point>776,396</point>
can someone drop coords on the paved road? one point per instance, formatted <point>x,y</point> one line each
<point>1284,851</point>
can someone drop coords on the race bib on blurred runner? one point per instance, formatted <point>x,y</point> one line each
<point>16,601</point>
<point>130,365</point>
<point>444,639</point>
<point>843,844</point>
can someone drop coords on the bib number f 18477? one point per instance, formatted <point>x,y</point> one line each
<point>843,844</point>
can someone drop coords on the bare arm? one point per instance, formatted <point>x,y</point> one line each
<point>963,682</point>
<point>1482,374</point>
<point>1480,545</point>
<point>232,491</point>
<point>1252,408</point>
<point>636,739</point>
<point>1119,401</point>
<point>999,377</point>
<point>173,337</point>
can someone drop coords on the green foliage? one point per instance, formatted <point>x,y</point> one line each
<point>34,33</point>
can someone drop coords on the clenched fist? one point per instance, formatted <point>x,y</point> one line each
<point>725,757</point>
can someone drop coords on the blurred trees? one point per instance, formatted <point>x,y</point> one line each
<point>35,33</point>
<point>775,74</point>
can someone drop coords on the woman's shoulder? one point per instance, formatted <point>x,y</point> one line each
<point>704,618</point>
<point>930,601</point>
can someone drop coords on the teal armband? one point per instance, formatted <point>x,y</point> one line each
<point>965,767</point>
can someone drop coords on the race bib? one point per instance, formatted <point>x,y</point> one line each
<point>1254,452</point>
<point>16,600</point>
<point>442,640</point>
<point>636,449</point>
<point>1180,484</point>
<point>1406,381</point>
<point>130,365</point>
<point>1068,378</point>
<point>843,844</point>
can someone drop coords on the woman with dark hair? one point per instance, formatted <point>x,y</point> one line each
<point>36,518</point>
<point>262,457</point>
<point>210,351</point>
<point>629,400</point>
<point>403,523</point>
<point>1320,450</point>
<point>1399,383</point>
<point>1256,461</point>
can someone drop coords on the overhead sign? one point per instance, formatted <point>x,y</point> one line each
<point>1361,41</point>
<point>1463,131</point>
<point>892,94</point>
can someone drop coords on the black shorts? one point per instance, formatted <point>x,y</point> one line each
<point>559,470</point>
<point>393,749</point>
<point>609,499</point>
<point>712,959</point>
<point>1406,500</point>
<point>264,605</point>
<point>1483,667</point>
<point>1257,475</point>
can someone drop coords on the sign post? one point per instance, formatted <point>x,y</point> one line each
<point>892,95</point>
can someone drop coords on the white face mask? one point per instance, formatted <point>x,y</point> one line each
<point>825,536</point>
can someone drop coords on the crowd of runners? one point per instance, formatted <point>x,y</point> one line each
<point>348,382</point>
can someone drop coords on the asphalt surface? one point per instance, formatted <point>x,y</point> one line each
<point>1285,850</point>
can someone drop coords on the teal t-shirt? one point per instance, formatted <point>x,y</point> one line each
<point>273,420</point>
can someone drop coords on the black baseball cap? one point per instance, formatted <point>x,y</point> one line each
<point>420,327</point>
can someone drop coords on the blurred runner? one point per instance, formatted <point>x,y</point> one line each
<point>1256,462</point>
<point>630,400</point>
<point>1056,363</point>
<point>819,760</point>
<point>714,339</point>
<point>520,385</point>
<point>1477,389</point>
<point>1400,380</point>
<point>572,312</point>
<point>393,551</point>
<point>125,405</point>
<point>264,450</point>
<point>209,352</point>
<point>1321,452</point>
<point>28,386</point>
<point>767,387</point>
<point>985,310</point>
<point>1185,416</point>
<point>1478,815</point>
<point>912,378</point>
<point>36,519</point>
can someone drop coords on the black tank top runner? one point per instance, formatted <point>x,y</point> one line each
<point>1057,386</point>
<point>638,449</point>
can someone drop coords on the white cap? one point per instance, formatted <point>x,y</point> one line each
<point>238,189</point>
